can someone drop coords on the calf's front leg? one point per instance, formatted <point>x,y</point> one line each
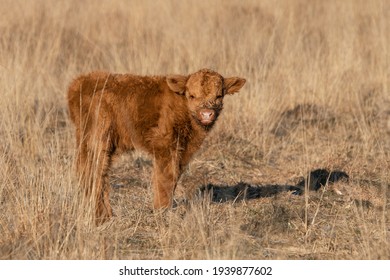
<point>166,173</point>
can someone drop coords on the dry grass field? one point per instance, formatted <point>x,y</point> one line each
<point>317,96</point>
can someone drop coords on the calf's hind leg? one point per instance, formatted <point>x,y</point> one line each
<point>102,160</point>
<point>93,162</point>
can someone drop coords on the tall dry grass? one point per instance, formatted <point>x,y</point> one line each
<point>317,97</point>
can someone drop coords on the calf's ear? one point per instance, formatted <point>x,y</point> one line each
<point>234,84</point>
<point>177,83</point>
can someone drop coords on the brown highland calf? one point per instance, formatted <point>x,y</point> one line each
<point>166,116</point>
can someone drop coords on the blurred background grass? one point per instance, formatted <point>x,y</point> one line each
<point>317,96</point>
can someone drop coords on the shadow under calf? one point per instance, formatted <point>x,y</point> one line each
<point>243,191</point>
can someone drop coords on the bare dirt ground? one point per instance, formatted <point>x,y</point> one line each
<point>317,97</point>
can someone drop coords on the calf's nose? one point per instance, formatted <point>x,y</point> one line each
<point>207,114</point>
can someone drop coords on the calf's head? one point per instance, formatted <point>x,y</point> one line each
<point>204,91</point>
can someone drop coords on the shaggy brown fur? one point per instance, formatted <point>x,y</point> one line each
<point>167,116</point>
